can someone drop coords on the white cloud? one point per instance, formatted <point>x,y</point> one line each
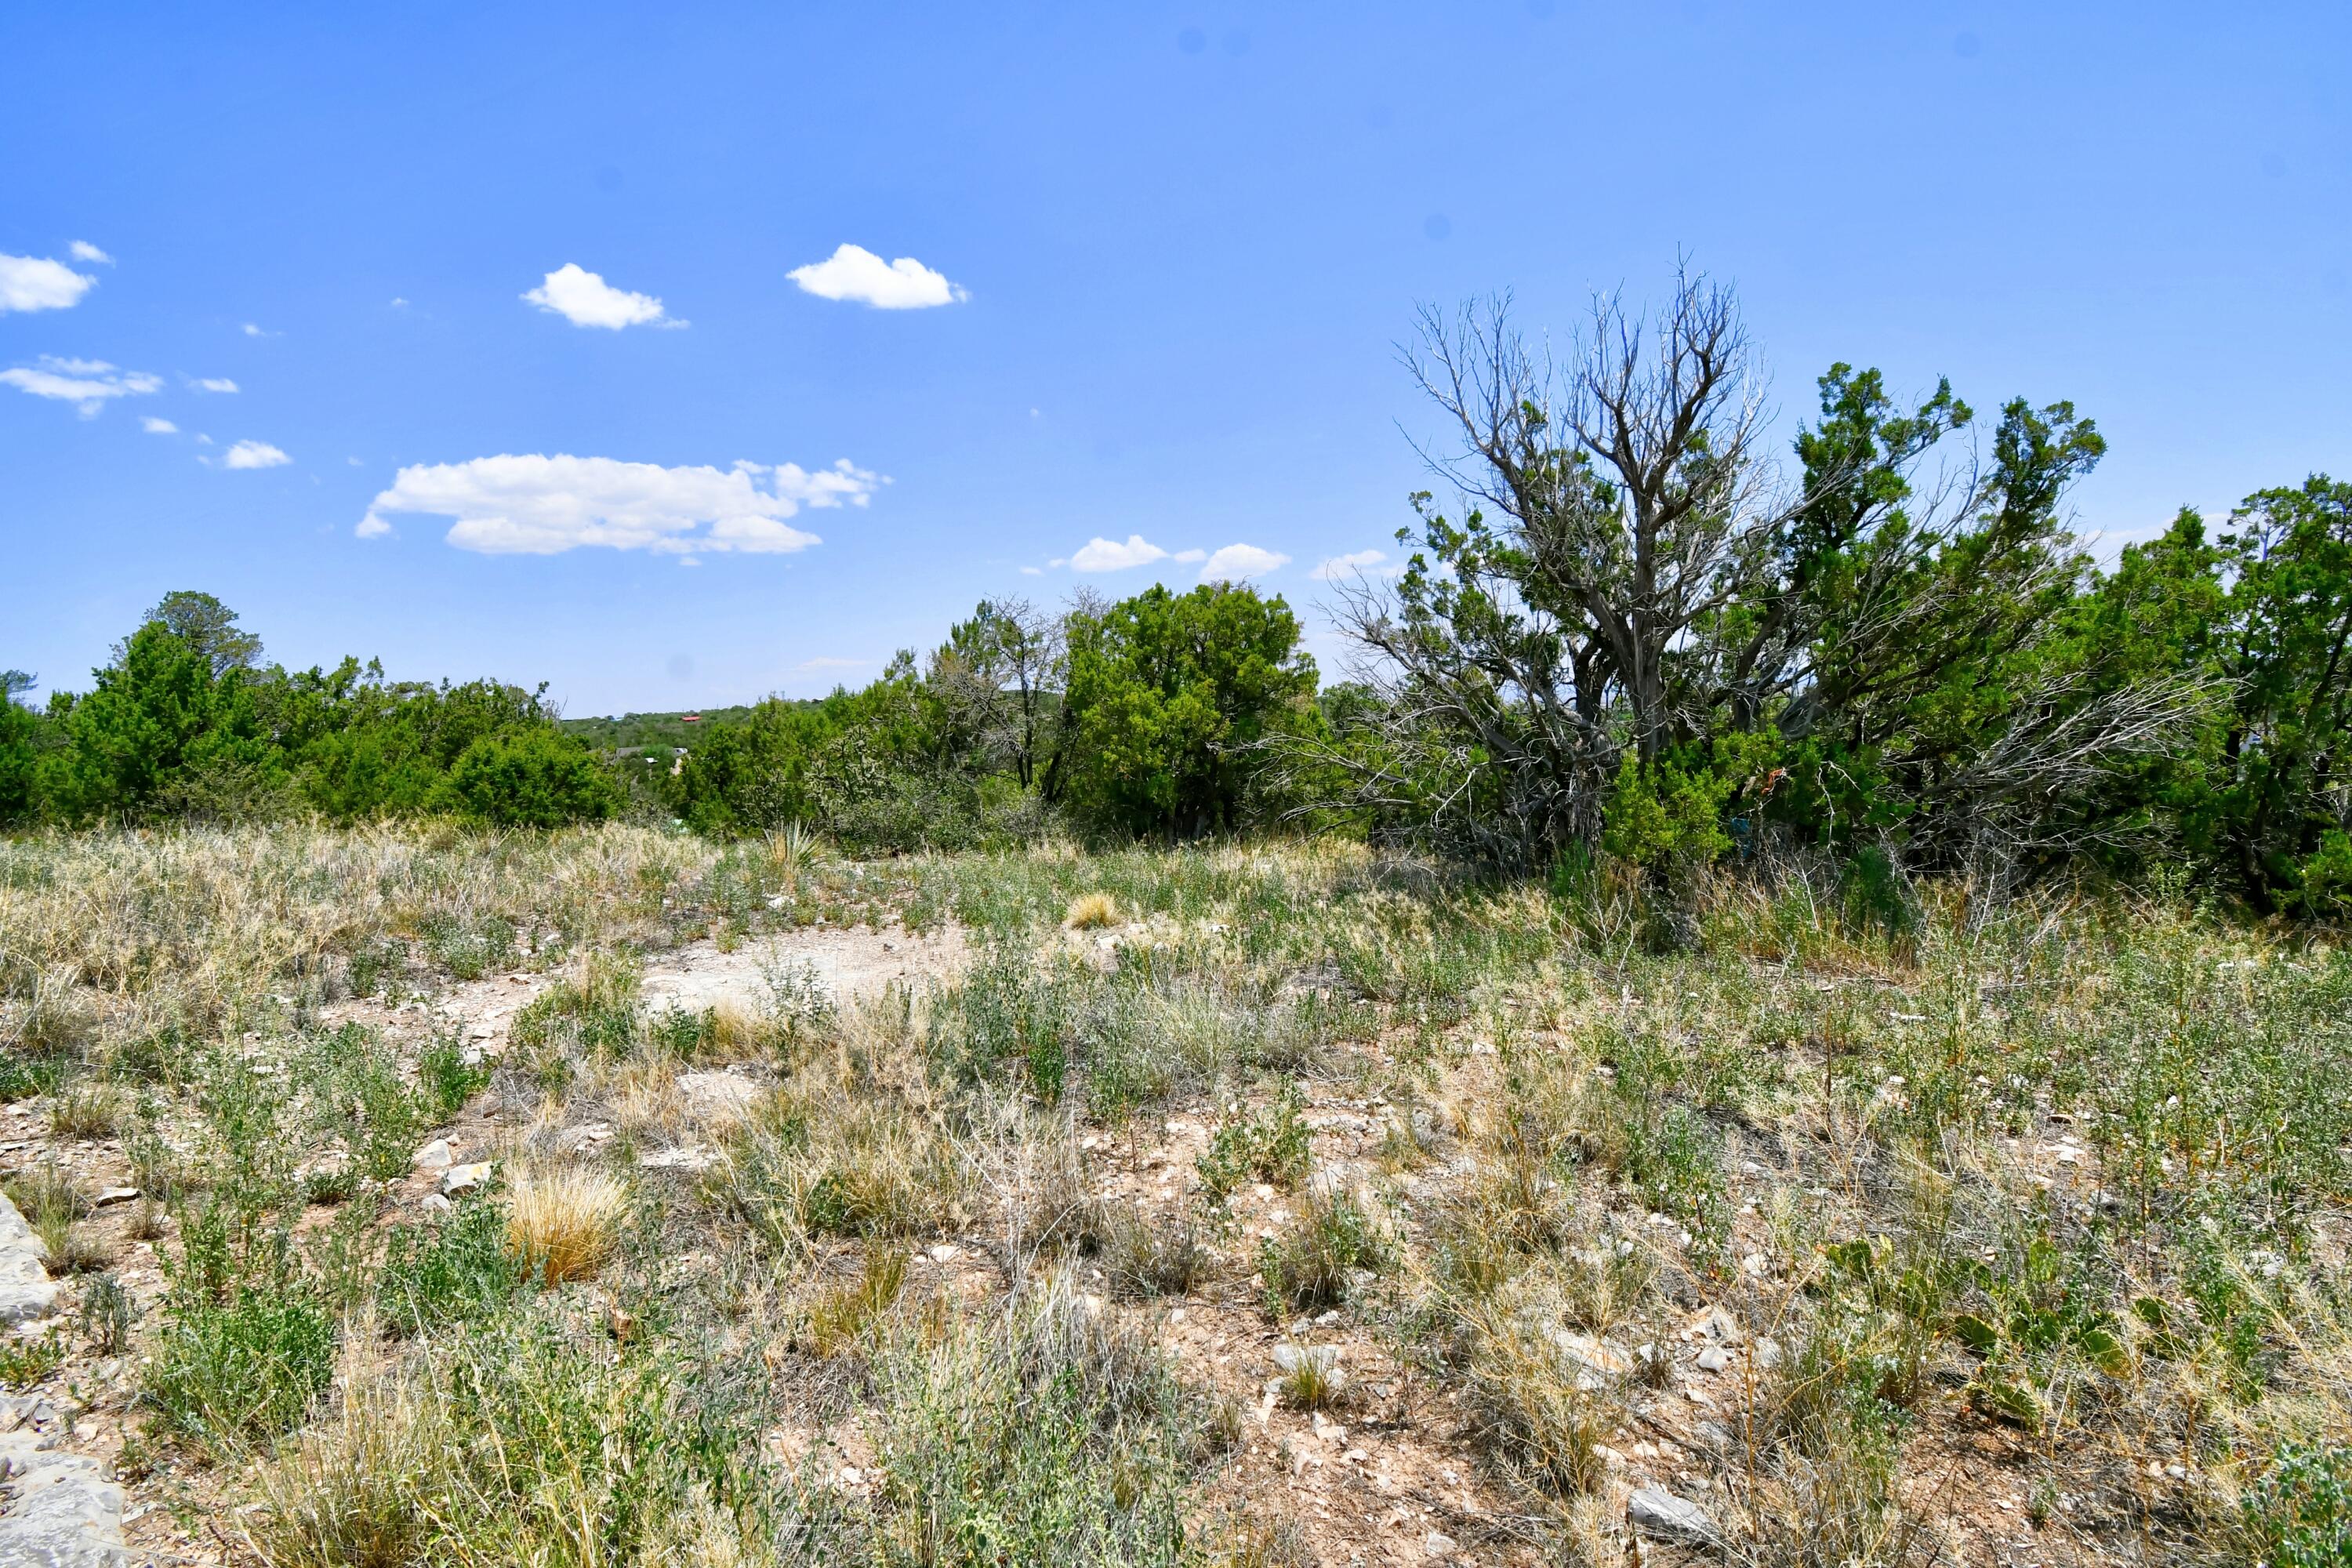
<point>37,283</point>
<point>1238,562</point>
<point>585,299</point>
<point>254,455</point>
<point>154,426</point>
<point>1367,563</point>
<point>251,331</point>
<point>1104,555</point>
<point>853,272</point>
<point>1033,571</point>
<point>534,505</point>
<point>398,302</point>
<point>1189,556</point>
<point>214,384</point>
<point>83,251</point>
<point>85,383</point>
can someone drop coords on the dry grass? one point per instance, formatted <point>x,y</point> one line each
<point>563,1223</point>
<point>841,1315</point>
<point>1091,912</point>
<point>1558,1136</point>
<point>347,1493</point>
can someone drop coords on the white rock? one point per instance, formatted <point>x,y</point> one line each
<point>15,1235</point>
<point>25,1289</point>
<point>435,1156</point>
<point>717,1099</point>
<point>1290,1357</point>
<point>1437,1543</point>
<point>1660,1514</point>
<point>1596,1362</point>
<point>464,1178</point>
<point>685,1157</point>
<point>74,1522</point>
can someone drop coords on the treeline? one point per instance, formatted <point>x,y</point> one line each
<point>186,722</point>
<point>1138,717</point>
<point>1640,641</point>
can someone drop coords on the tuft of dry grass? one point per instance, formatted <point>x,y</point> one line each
<point>1166,1257</point>
<point>86,1111</point>
<point>1312,1377</point>
<point>840,1316</point>
<point>348,1493</point>
<point>563,1223</point>
<point>1091,912</point>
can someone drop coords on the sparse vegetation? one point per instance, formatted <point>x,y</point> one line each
<point>1800,1202</point>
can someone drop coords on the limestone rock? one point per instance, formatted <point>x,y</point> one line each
<point>25,1289</point>
<point>1661,1515</point>
<point>688,1157</point>
<point>717,1099</point>
<point>15,1235</point>
<point>1595,1363</point>
<point>72,1521</point>
<point>464,1178</point>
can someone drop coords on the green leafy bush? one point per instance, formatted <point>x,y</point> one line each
<point>531,778</point>
<point>229,1373</point>
<point>457,1271</point>
<point>2300,1512</point>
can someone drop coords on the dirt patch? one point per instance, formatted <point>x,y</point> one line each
<point>849,965</point>
<point>845,963</point>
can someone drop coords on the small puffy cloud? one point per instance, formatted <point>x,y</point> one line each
<point>399,302</point>
<point>585,299</point>
<point>154,426</point>
<point>1106,555</point>
<point>1360,563</point>
<point>37,283</point>
<point>83,251</point>
<point>1238,562</point>
<point>254,455</point>
<point>853,272</point>
<point>213,384</point>
<point>1189,556</point>
<point>252,331</point>
<point>535,505</point>
<point>85,383</point>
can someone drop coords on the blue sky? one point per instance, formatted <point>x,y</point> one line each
<point>1173,247</point>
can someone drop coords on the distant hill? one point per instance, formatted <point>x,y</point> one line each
<point>633,732</point>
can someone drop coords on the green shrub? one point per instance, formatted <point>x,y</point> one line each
<point>1050,1436</point>
<point>458,1271</point>
<point>531,778</point>
<point>446,1081</point>
<point>227,1373</point>
<point>1309,1266</point>
<point>2300,1512</point>
<point>24,1363</point>
<point>359,1097</point>
<point>1272,1147</point>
